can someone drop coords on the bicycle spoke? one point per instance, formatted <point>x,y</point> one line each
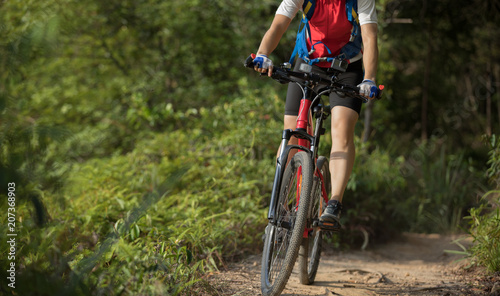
<point>276,266</point>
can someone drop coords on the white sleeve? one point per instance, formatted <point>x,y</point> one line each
<point>366,12</point>
<point>290,8</point>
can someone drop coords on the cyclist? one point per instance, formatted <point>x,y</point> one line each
<point>330,30</point>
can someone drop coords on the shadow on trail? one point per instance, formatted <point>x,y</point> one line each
<point>323,294</point>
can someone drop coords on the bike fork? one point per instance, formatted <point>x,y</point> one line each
<point>278,175</point>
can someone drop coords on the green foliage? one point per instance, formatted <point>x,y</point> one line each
<point>485,219</point>
<point>153,220</point>
<point>387,194</point>
<point>441,203</point>
<point>493,172</point>
<point>373,196</point>
<point>414,37</point>
<point>485,230</point>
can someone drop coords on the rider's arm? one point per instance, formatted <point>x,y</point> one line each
<point>273,37</point>
<point>370,50</point>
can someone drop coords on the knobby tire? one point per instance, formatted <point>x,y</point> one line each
<point>310,248</point>
<point>282,242</point>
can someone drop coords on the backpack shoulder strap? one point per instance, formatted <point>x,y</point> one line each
<point>353,47</point>
<point>352,10</point>
<point>304,31</point>
<point>308,8</point>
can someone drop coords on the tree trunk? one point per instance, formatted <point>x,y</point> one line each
<point>368,121</point>
<point>425,87</point>
<point>488,99</point>
<point>496,77</point>
<point>427,66</point>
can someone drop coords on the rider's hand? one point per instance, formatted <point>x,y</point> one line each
<point>263,64</point>
<point>365,88</point>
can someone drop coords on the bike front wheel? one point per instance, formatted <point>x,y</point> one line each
<point>284,236</point>
<point>310,248</point>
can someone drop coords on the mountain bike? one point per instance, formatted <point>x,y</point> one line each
<point>301,185</point>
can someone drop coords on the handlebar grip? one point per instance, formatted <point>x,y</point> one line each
<point>376,92</point>
<point>249,61</point>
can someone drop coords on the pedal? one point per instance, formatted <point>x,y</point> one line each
<point>328,226</point>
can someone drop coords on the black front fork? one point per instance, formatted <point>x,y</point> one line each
<point>285,151</point>
<point>281,165</point>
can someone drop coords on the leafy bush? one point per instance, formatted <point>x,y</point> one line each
<point>388,194</point>
<point>493,172</point>
<point>485,231</point>
<point>152,221</point>
<point>485,219</point>
<point>373,196</point>
<point>444,186</point>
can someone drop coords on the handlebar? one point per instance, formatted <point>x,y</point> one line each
<point>284,75</point>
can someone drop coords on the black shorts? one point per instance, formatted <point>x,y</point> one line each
<point>353,76</point>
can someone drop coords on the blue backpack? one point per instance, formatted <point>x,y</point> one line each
<point>347,52</point>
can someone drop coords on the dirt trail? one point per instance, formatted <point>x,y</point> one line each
<point>414,265</point>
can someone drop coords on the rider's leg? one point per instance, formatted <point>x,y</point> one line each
<point>342,153</point>
<point>341,162</point>
<point>345,114</point>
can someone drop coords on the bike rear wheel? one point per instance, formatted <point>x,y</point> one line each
<point>310,248</point>
<point>283,238</point>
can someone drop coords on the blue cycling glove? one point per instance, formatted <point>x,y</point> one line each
<point>368,88</point>
<point>262,62</point>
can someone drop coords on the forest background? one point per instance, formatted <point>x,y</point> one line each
<point>138,153</point>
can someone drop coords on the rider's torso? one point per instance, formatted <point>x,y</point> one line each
<point>330,26</point>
